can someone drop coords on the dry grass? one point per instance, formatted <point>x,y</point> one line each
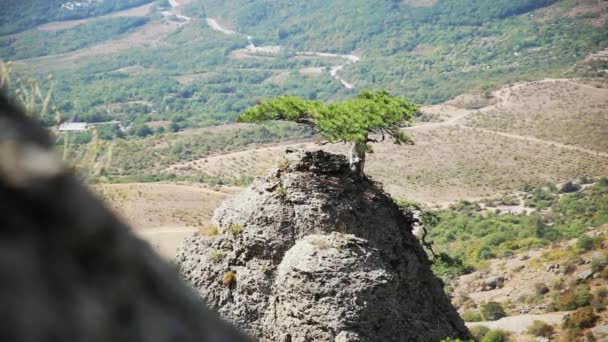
<point>157,205</point>
<point>562,111</point>
<point>451,161</point>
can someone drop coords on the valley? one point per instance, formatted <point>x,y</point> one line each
<point>510,150</point>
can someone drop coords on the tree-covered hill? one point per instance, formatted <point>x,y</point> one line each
<point>24,14</point>
<point>156,68</point>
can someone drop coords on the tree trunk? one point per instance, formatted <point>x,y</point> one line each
<point>357,158</point>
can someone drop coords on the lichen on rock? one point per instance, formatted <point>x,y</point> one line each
<point>320,255</point>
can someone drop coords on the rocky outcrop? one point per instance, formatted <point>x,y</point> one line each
<point>309,253</point>
<point>69,270</point>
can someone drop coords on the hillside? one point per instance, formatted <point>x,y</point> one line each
<point>130,65</point>
<point>453,158</point>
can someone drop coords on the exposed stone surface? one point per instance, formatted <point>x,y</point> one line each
<point>69,270</point>
<point>318,255</point>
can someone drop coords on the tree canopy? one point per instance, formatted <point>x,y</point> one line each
<point>353,120</point>
<point>370,112</point>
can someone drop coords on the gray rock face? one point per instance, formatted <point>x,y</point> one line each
<point>69,270</point>
<point>309,253</point>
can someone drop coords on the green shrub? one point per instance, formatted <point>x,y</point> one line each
<point>235,228</point>
<point>599,262</point>
<point>541,288</point>
<point>479,332</point>
<point>580,319</point>
<point>583,297</point>
<point>216,255</point>
<point>495,336</point>
<point>585,243</point>
<point>448,268</point>
<point>566,301</point>
<point>492,311</point>
<point>541,329</point>
<point>471,316</point>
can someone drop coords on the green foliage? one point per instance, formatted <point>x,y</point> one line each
<point>541,329</point>
<point>492,311</point>
<point>212,231</point>
<point>20,15</point>
<point>574,298</point>
<point>495,336</point>
<point>479,332</point>
<point>475,235</point>
<point>35,43</point>
<point>216,255</point>
<point>235,228</point>
<point>471,316</point>
<point>585,243</point>
<point>143,131</point>
<point>281,192</point>
<point>347,121</point>
<point>289,108</point>
<point>599,262</point>
<point>448,268</point>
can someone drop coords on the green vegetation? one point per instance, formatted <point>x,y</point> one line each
<point>35,43</point>
<point>541,329</point>
<point>427,54</point>
<point>216,255</point>
<point>235,228</point>
<point>148,159</point>
<point>475,235</point>
<point>21,15</point>
<point>580,319</point>
<point>479,332</point>
<point>448,268</point>
<point>495,336</point>
<point>353,121</point>
<point>492,311</point>
<point>471,316</point>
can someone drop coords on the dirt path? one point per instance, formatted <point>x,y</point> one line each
<point>537,140</point>
<point>502,97</point>
<point>519,324</point>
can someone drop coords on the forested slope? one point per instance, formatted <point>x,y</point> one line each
<point>21,15</point>
<point>157,68</point>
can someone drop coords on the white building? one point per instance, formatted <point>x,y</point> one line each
<point>73,127</point>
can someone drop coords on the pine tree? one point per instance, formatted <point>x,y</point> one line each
<point>351,121</point>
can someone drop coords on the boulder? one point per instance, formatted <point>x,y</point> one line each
<point>317,254</point>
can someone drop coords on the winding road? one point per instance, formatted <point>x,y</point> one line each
<point>333,71</point>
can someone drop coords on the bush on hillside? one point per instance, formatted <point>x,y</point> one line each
<point>580,319</point>
<point>448,268</point>
<point>585,242</point>
<point>471,316</point>
<point>541,329</point>
<point>541,288</point>
<point>495,336</point>
<point>566,301</point>
<point>569,187</point>
<point>599,262</point>
<point>492,311</point>
<point>479,332</point>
